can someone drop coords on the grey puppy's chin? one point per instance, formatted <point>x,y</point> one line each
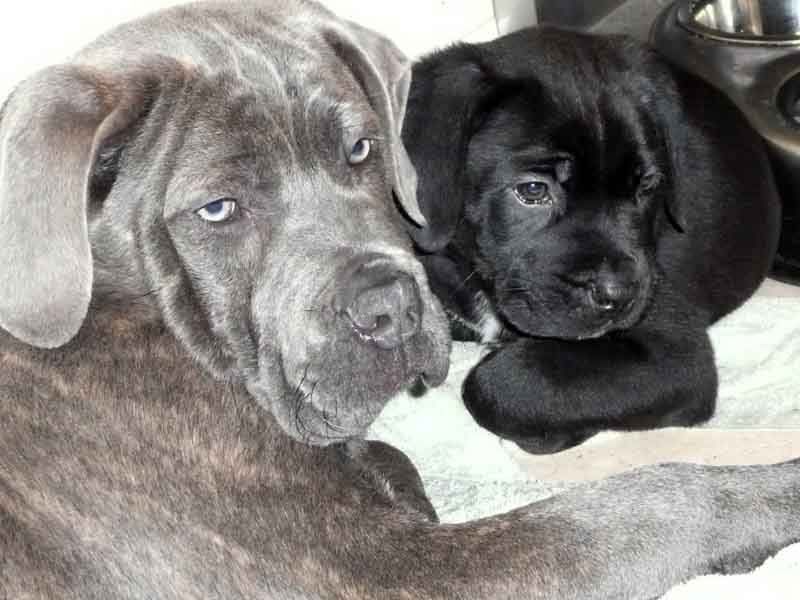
<point>311,415</point>
<point>319,403</point>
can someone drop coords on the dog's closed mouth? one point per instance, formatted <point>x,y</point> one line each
<point>318,425</point>
<point>426,381</point>
<point>599,332</point>
<point>315,409</point>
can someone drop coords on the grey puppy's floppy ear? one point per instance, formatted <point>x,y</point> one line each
<point>385,75</point>
<point>50,130</point>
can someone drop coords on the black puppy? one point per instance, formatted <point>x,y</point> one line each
<point>593,210</point>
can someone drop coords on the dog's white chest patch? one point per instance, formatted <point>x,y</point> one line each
<point>481,319</point>
<point>488,325</point>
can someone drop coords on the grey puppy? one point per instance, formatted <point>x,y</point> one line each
<point>208,295</point>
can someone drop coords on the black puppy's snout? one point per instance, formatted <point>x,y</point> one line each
<point>382,304</point>
<point>613,286</point>
<point>612,295</point>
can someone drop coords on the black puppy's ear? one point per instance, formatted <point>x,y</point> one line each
<point>668,104</point>
<point>448,95</point>
<point>674,214</point>
<point>677,144</point>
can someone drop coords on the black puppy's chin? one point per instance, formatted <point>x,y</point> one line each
<point>567,319</point>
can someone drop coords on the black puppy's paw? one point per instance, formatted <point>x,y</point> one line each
<point>504,401</point>
<point>548,395</point>
<point>551,442</point>
<point>481,400</point>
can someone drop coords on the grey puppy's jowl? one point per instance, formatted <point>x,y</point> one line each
<point>193,290</point>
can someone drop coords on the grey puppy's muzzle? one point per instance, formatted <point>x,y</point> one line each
<point>371,327</point>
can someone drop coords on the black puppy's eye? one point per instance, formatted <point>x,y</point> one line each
<point>218,211</point>
<point>533,193</point>
<point>360,151</point>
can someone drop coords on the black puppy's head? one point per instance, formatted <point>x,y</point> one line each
<point>547,164</point>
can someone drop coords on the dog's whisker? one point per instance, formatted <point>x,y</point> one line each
<point>302,396</point>
<point>326,419</point>
<point>298,400</point>
<point>327,416</point>
<point>468,277</point>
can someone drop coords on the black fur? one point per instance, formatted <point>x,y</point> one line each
<point>661,216</point>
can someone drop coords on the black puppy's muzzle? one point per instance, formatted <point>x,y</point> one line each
<point>381,302</point>
<point>611,295</point>
<point>608,292</point>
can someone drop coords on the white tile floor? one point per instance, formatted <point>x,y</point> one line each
<point>609,453</point>
<point>776,289</point>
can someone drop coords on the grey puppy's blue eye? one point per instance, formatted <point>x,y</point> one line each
<point>360,151</point>
<point>533,193</point>
<point>218,211</point>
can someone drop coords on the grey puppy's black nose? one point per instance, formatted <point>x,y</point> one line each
<point>382,304</point>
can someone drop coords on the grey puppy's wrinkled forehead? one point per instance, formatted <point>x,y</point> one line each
<point>290,62</point>
<point>239,135</point>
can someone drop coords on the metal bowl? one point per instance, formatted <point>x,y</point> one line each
<point>772,22</point>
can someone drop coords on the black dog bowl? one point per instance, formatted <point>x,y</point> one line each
<point>750,49</point>
<point>789,100</point>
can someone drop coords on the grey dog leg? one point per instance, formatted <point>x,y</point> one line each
<point>220,503</point>
<point>630,536</point>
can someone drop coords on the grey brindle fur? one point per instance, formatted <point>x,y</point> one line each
<point>182,401</point>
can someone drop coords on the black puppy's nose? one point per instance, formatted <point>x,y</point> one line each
<point>382,304</point>
<point>612,294</point>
